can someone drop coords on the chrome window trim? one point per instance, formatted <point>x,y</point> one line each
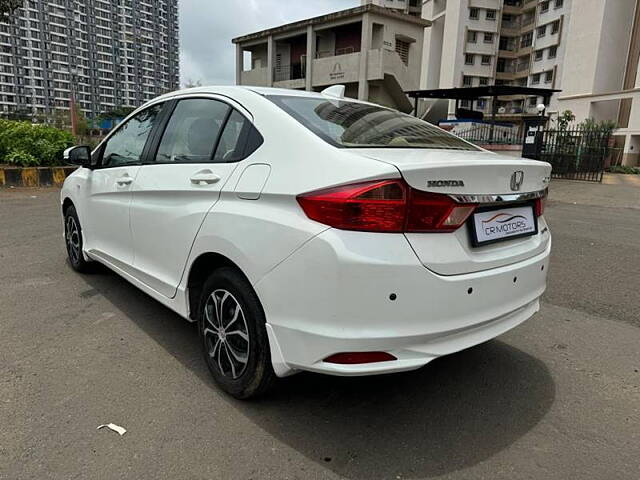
<point>488,199</point>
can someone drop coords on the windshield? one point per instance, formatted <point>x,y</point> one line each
<point>358,125</point>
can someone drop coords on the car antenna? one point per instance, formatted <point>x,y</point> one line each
<point>336,91</point>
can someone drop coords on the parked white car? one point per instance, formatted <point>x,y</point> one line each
<point>306,231</point>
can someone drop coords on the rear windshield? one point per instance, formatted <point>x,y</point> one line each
<point>358,125</point>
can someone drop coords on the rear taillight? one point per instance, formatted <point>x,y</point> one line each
<point>385,206</point>
<point>540,204</point>
<point>432,212</point>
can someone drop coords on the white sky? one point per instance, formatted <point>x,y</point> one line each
<point>207,27</point>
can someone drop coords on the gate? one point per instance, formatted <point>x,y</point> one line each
<point>576,154</point>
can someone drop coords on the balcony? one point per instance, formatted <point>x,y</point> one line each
<point>256,77</point>
<point>528,20</point>
<point>510,28</point>
<point>512,9</point>
<point>289,76</point>
<point>336,69</point>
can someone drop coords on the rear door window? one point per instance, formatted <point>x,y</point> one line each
<point>233,139</point>
<point>193,131</point>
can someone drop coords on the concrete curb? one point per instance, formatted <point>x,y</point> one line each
<point>34,176</point>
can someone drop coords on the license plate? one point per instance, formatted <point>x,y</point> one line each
<point>501,224</point>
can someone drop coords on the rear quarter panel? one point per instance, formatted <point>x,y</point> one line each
<point>259,234</point>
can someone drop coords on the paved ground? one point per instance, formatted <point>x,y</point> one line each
<point>557,398</point>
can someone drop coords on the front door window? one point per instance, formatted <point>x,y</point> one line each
<point>126,145</point>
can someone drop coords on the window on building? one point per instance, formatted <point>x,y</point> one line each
<point>533,101</point>
<point>402,49</point>
<point>488,37</point>
<point>481,104</point>
<point>544,6</point>
<point>491,15</point>
<point>548,76</point>
<point>535,79</point>
<point>483,81</point>
<point>472,37</point>
<point>538,55</point>
<point>467,81</point>
<point>473,13</point>
<point>465,103</point>
<point>542,31</point>
<point>553,51</point>
<point>559,3</point>
<point>486,60</point>
<point>555,27</point>
<point>469,59</point>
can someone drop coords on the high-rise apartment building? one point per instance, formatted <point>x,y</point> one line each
<point>104,54</point>
<point>601,69</point>
<point>494,42</point>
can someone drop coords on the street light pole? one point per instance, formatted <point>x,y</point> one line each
<point>72,105</point>
<point>541,108</point>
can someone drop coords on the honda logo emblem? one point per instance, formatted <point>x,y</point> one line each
<point>516,180</point>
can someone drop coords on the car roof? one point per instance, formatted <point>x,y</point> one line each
<point>264,91</point>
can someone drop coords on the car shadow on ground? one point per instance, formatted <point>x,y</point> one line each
<point>456,412</point>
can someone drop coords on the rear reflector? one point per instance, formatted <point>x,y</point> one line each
<point>350,358</point>
<point>385,206</point>
<point>540,204</point>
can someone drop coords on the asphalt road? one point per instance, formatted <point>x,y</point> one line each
<point>556,398</point>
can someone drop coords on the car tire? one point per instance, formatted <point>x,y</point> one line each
<point>73,241</point>
<point>231,324</point>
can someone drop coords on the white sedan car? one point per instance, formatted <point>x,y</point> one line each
<point>307,231</point>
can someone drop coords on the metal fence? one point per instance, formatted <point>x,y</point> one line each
<point>577,153</point>
<point>289,72</point>
<point>481,135</point>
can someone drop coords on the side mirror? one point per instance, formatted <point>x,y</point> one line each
<point>78,155</point>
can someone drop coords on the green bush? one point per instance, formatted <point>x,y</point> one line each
<point>26,144</point>
<point>21,158</point>
<point>624,169</point>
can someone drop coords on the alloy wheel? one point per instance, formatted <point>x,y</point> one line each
<point>226,334</point>
<point>72,235</point>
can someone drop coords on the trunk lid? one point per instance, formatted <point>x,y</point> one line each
<point>460,174</point>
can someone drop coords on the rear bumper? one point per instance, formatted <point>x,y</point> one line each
<point>333,295</point>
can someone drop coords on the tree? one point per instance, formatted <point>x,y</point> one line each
<point>564,119</point>
<point>82,125</point>
<point>7,7</point>
<point>116,113</point>
<point>191,83</point>
<point>605,126</point>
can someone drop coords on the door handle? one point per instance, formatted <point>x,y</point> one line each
<point>205,177</point>
<point>125,180</point>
